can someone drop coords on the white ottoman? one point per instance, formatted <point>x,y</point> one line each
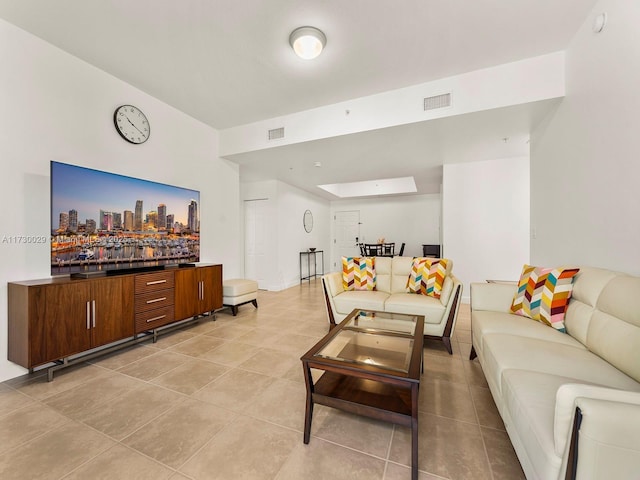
<point>238,291</point>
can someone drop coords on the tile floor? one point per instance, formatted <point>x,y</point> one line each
<point>225,400</point>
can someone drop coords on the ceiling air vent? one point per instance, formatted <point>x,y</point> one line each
<point>437,101</point>
<point>276,133</point>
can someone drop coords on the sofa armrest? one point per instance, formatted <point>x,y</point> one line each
<point>496,297</point>
<point>571,395</point>
<point>607,441</point>
<point>333,281</point>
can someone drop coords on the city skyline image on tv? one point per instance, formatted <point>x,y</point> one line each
<point>101,220</point>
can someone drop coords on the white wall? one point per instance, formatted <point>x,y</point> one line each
<point>412,219</point>
<point>288,238</point>
<point>514,83</point>
<point>56,107</point>
<point>585,160</point>
<point>292,237</point>
<point>485,209</point>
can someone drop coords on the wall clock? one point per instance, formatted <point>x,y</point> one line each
<point>307,221</point>
<point>131,124</point>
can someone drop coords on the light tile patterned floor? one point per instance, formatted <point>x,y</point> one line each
<point>225,400</point>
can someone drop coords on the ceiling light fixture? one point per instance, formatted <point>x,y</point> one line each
<point>307,42</point>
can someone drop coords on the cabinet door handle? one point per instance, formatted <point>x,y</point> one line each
<point>156,300</point>
<point>157,282</point>
<point>88,316</point>
<point>202,290</point>
<point>94,313</point>
<point>156,318</point>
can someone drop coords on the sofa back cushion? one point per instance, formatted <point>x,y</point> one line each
<point>383,273</point>
<point>401,268</point>
<point>587,287</point>
<point>614,330</point>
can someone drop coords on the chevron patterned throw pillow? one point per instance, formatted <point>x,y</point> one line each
<point>543,294</point>
<point>427,276</point>
<point>359,273</point>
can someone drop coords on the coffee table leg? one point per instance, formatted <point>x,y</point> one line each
<point>308,414</point>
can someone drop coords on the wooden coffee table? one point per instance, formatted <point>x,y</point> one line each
<point>372,363</point>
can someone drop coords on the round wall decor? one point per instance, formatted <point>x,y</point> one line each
<point>131,124</point>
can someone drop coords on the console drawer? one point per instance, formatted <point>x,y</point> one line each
<point>154,318</point>
<point>151,282</point>
<point>153,300</point>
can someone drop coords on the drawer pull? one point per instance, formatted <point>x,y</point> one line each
<point>160,317</point>
<point>156,300</point>
<point>156,282</point>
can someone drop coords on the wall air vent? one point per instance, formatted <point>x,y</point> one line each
<point>276,133</point>
<point>437,101</point>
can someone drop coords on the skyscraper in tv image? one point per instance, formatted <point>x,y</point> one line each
<point>192,224</point>
<point>137,219</point>
<point>162,217</point>
<point>118,233</point>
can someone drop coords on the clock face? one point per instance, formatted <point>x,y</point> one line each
<point>131,124</point>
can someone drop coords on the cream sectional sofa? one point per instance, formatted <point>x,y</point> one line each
<point>570,401</point>
<point>391,296</point>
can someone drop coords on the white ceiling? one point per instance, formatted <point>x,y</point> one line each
<point>228,63</point>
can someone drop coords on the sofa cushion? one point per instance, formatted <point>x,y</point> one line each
<point>486,322</point>
<point>419,270</point>
<point>401,267</point>
<point>366,300</point>
<point>413,304</point>
<point>359,273</point>
<point>427,276</point>
<point>529,400</point>
<point>503,352</point>
<point>383,274</point>
<point>587,287</point>
<point>543,294</point>
<point>614,330</point>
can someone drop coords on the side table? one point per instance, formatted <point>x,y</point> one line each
<point>308,255</point>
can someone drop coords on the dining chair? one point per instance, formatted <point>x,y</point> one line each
<point>389,249</point>
<point>372,249</point>
<point>401,250</point>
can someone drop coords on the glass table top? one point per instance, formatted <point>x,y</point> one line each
<point>379,339</point>
<point>383,322</point>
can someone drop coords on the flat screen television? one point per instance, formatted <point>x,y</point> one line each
<point>105,222</point>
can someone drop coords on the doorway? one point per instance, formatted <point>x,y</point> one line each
<point>346,226</point>
<point>255,241</point>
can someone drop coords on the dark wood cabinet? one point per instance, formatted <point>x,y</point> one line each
<point>197,291</point>
<point>53,319</point>
<point>62,317</point>
<point>113,315</point>
<point>66,326</point>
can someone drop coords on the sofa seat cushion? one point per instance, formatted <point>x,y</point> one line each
<point>413,304</point>
<point>485,322</point>
<point>346,302</point>
<point>504,352</point>
<point>529,400</point>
